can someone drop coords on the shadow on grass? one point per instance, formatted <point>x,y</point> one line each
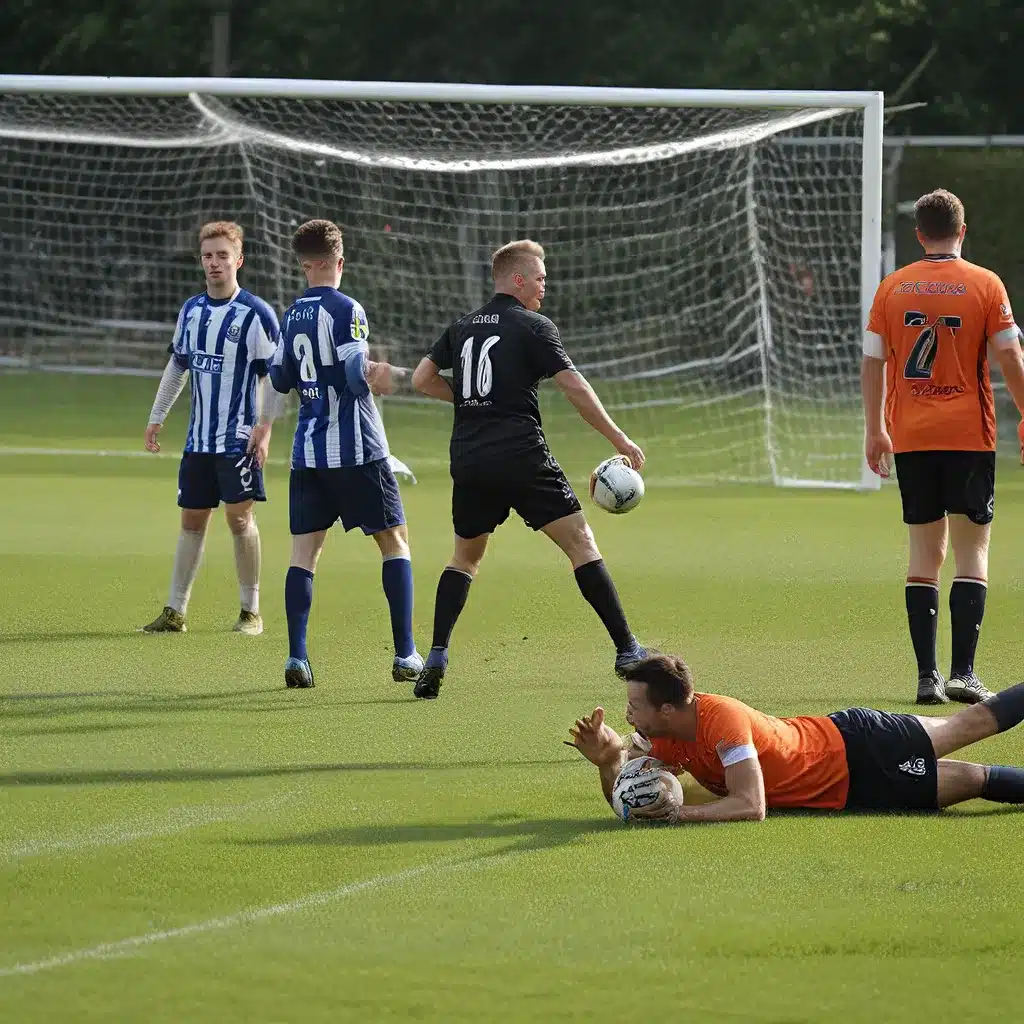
<point>115,775</point>
<point>80,730</point>
<point>524,833</point>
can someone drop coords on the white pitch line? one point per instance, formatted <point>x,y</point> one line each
<point>108,950</point>
<point>176,820</point>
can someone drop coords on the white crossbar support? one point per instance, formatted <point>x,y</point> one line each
<point>434,92</point>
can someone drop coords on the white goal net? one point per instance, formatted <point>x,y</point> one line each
<point>705,264</point>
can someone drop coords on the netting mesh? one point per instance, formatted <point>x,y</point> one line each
<point>703,265</point>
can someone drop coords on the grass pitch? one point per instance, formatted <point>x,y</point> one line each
<point>181,839</point>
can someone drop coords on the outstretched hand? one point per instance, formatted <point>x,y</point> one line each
<point>597,741</point>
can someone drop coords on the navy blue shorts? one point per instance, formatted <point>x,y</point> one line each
<point>891,761</point>
<point>366,496</point>
<point>204,481</point>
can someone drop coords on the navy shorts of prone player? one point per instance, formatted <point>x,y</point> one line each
<point>205,480</point>
<point>366,496</point>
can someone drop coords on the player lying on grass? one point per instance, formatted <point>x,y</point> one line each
<point>340,468</point>
<point>857,759</point>
<point>223,340</point>
<point>500,461</point>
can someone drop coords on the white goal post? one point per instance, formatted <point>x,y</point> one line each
<point>712,254</point>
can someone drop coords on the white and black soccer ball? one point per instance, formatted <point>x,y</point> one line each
<point>640,783</point>
<point>616,486</point>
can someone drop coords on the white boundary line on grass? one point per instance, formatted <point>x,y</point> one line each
<point>110,950</point>
<point>177,819</point>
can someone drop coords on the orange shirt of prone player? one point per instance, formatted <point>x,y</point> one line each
<point>803,760</point>
<point>932,322</point>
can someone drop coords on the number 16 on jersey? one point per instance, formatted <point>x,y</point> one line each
<point>484,376</point>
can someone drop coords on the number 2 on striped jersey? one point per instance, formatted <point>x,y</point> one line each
<point>484,370</point>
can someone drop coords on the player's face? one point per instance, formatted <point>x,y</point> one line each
<point>220,262</point>
<point>641,714</point>
<point>530,282</point>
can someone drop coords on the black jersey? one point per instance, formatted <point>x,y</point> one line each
<point>499,353</point>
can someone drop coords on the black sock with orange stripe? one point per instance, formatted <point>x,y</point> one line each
<point>923,617</point>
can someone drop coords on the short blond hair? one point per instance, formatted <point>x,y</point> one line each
<point>318,240</point>
<point>939,215</point>
<point>223,229</point>
<point>509,256</point>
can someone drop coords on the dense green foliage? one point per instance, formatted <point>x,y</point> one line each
<point>968,50</point>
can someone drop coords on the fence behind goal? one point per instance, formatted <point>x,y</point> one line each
<point>706,251</point>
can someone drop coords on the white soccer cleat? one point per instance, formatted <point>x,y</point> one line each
<point>249,623</point>
<point>406,670</point>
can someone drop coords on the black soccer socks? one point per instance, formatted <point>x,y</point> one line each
<point>923,616</point>
<point>452,591</point>
<point>1004,785</point>
<point>596,586</point>
<point>966,610</point>
<point>1007,706</point>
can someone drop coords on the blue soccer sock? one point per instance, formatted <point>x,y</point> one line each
<point>396,578</point>
<point>298,599</point>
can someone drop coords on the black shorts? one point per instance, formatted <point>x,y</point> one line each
<point>533,485</point>
<point>891,761</point>
<point>366,496</point>
<point>934,484</point>
<point>204,480</point>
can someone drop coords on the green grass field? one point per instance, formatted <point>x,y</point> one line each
<point>182,839</point>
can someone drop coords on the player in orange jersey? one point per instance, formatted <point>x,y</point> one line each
<point>858,759</point>
<point>931,328</point>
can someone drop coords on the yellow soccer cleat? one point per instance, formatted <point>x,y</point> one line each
<point>249,623</point>
<point>168,621</point>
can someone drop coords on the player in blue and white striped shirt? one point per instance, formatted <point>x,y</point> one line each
<point>224,340</point>
<point>340,467</point>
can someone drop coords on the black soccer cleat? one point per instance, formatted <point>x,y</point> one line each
<point>625,660</point>
<point>967,689</point>
<point>931,688</point>
<point>428,685</point>
<point>298,675</point>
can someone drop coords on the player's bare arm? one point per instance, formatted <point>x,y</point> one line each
<point>877,443</point>
<point>602,746</point>
<point>1011,362</point>
<point>427,380</point>
<point>584,400</point>
<point>745,800</point>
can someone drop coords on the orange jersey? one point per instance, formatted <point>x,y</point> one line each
<point>932,322</point>
<point>803,760</point>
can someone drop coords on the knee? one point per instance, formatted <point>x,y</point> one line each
<point>239,522</point>
<point>581,547</point>
<point>194,520</point>
<point>393,543</point>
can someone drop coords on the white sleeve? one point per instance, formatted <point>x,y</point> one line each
<point>733,755</point>
<point>874,345</point>
<point>1005,339</point>
<point>171,384</point>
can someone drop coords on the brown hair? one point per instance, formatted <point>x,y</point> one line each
<point>318,240</point>
<point>509,256</point>
<point>223,229</point>
<point>668,679</point>
<point>939,215</point>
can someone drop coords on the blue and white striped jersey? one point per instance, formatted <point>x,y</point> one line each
<point>225,344</point>
<point>323,355</point>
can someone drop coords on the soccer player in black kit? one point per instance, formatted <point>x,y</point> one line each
<point>498,354</point>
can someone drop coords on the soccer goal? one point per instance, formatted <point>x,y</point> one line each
<point>711,254</point>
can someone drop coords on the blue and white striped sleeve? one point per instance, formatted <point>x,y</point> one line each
<point>352,349</point>
<point>282,369</point>
<point>177,348</point>
<point>264,332</point>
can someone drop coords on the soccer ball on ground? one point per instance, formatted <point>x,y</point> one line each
<point>640,783</point>
<point>616,486</point>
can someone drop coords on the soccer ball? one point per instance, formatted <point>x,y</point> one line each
<point>616,486</point>
<point>640,783</point>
